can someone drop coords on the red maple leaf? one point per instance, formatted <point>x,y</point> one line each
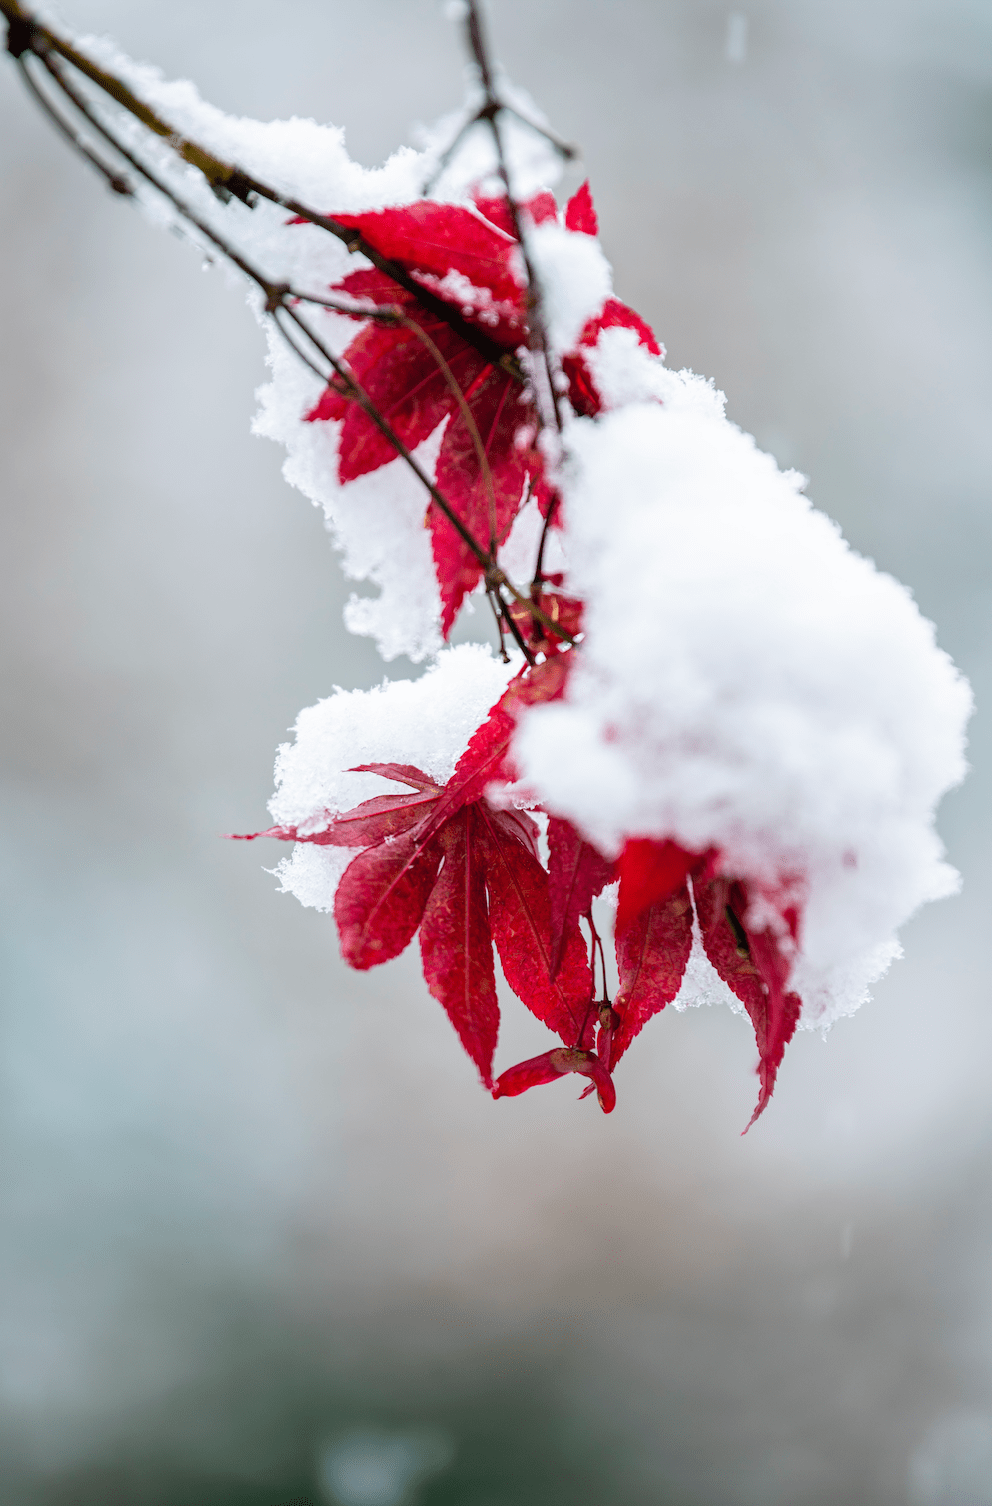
<point>651,870</point>
<point>583,393</point>
<point>652,952</point>
<point>488,460</point>
<point>654,939</point>
<point>552,1065</point>
<point>486,455</point>
<point>444,861</point>
<point>755,965</point>
<point>576,874</point>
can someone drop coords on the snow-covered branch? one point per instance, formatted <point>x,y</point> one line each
<point>716,713</point>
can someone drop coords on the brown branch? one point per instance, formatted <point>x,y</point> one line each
<point>277,295</point>
<point>538,580</point>
<point>518,636</point>
<point>501,630</point>
<point>27,34</point>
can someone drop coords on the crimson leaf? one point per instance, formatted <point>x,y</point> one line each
<point>440,238</point>
<point>579,212</point>
<point>552,1065</point>
<point>456,945</point>
<point>650,870</point>
<point>520,917</point>
<point>754,966</point>
<point>381,898</point>
<point>652,953</point>
<point>576,874</point>
<point>497,414</point>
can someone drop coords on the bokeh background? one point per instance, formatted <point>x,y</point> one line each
<point>262,1236</point>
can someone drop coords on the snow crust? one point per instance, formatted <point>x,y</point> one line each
<point>425,722</point>
<point>747,682</point>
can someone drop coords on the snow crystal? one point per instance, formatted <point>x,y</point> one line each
<point>425,722</point>
<point>748,682</point>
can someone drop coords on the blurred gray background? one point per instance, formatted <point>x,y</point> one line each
<point>262,1235</point>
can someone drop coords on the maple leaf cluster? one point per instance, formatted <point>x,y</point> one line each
<point>450,861</point>
<point>455,861</point>
<point>746,682</point>
<point>469,259</point>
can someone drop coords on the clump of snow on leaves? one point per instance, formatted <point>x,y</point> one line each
<point>747,683</point>
<point>426,722</point>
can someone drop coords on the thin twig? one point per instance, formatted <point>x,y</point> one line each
<point>518,636</point>
<point>535,321</point>
<point>115,181</point>
<point>498,618</point>
<point>277,295</point>
<point>387,315</point>
<point>538,580</point>
<point>563,148</point>
<point>470,424</point>
<point>27,34</point>
<point>602,963</point>
<point>537,334</point>
<point>448,153</point>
